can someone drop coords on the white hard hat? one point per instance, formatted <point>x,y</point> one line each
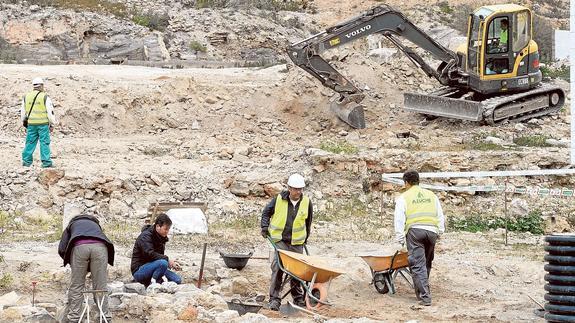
<point>296,181</point>
<point>37,81</point>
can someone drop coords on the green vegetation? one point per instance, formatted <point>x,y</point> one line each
<point>478,143</point>
<point>197,46</point>
<point>340,147</point>
<point>532,141</point>
<point>247,222</point>
<point>445,8</point>
<point>7,52</point>
<point>562,72</point>
<point>6,281</point>
<point>351,207</point>
<point>531,222</point>
<point>7,222</point>
<point>99,6</point>
<point>122,233</point>
<point>152,20</point>
<point>275,5</point>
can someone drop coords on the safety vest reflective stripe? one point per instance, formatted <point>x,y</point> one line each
<point>279,219</point>
<point>39,114</point>
<point>298,229</point>
<point>421,207</point>
<point>420,215</point>
<point>298,241</point>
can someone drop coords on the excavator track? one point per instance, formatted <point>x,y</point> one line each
<point>540,101</point>
<point>454,103</point>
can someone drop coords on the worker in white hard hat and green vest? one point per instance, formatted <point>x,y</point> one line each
<point>419,219</point>
<point>37,115</point>
<point>287,221</point>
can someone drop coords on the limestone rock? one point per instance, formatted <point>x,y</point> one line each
<point>9,299</point>
<point>70,211</point>
<point>240,285</point>
<point>273,189</point>
<point>135,288</point>
<point>240,188</point>
<point>190,313</point>
<point>50,176</point>
<point>226,316</point>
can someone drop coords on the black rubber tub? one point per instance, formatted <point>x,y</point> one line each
<point>236,261</point>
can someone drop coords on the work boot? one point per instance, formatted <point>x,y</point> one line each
<point>275,304</point>
<point>425,302</point>
<point>417,294</point>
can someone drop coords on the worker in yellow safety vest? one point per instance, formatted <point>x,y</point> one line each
<point>37,116</point>
<point>287,221</point>
<point>504,34</point>
<point>418,218</point>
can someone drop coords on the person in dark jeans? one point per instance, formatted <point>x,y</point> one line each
<point>149,263</point>
<point>287,221</point>
<point>419,219</point>
<point>87,249</point>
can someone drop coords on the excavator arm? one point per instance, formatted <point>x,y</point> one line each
<point>391,24</point>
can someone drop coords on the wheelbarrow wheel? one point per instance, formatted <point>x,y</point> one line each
<point>312,302</point>
<point>379,284</point>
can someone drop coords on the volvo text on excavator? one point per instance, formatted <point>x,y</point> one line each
<point>491,78</point>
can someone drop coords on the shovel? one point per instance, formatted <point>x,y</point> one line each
<point>290,309</point>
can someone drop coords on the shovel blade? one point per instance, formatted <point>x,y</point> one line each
<point>288,309</point>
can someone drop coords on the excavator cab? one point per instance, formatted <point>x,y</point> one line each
<point>501,54</point>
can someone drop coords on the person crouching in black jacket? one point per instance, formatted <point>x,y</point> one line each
<point>149,264</point>
<point>87,249</point>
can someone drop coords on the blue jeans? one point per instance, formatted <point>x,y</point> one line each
<point>35,133</point>
<point>156,269</point>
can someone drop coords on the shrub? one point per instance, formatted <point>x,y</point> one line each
<point>197,46</point>
<point>445,8</point>
<point>478,142</point>
<point>100,6</point>
<point>273,5</point>
<point>339,147</point>
<point>562,72</point>
<point>531,222</point>
<point>532,141</point>
<point>6,281</point>
<point>152,20</point>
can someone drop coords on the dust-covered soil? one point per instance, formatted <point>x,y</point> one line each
<point>475,277</point>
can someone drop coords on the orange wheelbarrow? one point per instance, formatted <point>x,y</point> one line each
<point>312,273</point>
<point>384,270</point>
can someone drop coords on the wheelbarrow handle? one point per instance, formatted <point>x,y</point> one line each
<point>273,243</point>
<point>276,247</point>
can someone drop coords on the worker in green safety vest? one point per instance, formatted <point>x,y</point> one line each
<point>504,34</point>
<point>37,115</point>
<point>418,218</point>
<point>287,221</point>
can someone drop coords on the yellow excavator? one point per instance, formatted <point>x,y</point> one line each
<point>492,78</point>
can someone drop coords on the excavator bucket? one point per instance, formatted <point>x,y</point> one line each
<point>349,112</point>
<point>443,106</point>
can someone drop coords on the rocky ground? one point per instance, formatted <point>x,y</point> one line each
<point>129,136</point>
<point>476,278</point>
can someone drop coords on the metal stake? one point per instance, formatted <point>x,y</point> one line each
<point>200,277</point>
<point>506,213</point>
<point>34,293</point>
